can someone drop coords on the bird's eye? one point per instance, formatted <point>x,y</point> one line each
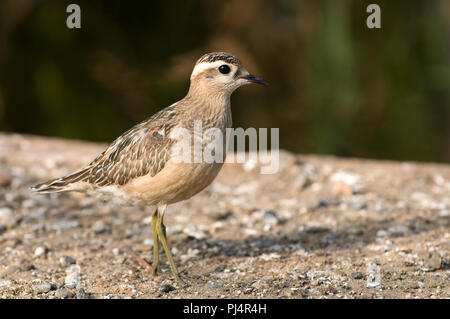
<point>224,69</point>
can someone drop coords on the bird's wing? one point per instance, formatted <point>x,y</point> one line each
<point>145,149</point>
<point>142,150</point>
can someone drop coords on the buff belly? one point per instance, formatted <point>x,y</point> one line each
<point>174,183</point>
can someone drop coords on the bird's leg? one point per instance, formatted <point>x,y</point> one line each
<point>161,229</point>
<point>155,243</point>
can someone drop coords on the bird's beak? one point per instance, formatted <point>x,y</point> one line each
<point>254,79</point>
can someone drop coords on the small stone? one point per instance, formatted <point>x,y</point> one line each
<point>398,230</point>
<point>39,251</point>
<point>306,177</point>
<point>26,267</point>
<point>326,203</point>
<point>193,232</point>
<point>99,227</point>
<point>191,253</point>
<point>355,231</point>
<point>115,251</point>
<point>42,287</point>
<point>7,217</point>
<point>166,288</point>
<point>302,181</point>
<point>346,183</point>
<point>270,217</point>
<point>66,261</point>
<point>64,224</point>
<point>433,262</point>
<point>357,275</point>
<point>81,294</point>
<point>357,205</point>
<point>63,293</point>
<point>374,277</point>
<point>73,279</point>
<point>214,285</point>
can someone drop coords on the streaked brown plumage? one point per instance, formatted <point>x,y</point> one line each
<point>138,164</point>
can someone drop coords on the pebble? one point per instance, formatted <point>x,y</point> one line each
<point>63,293</point>
<point>374,277</point>
<point>433,262</point>
<point>81,294</point>
<point>306,177</point>
<point>66,261</point>
<point>39,251</point>
<point>270,217</point>
<point>325,203</point>
<point>7,217</point>
<point>42,287</point>
<point>346,183</point>
<point>214,285</point>
<point>99,227</point>
<point>147,220</point>
<point>64,224</point>
<point>73,279</point>
<point>393,231</point>
<point>166,288</point>
<point>193,232</point>
<point>191,253</point>
<point>357,275</point>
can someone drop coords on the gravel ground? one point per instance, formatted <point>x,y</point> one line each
<point>323,227</point>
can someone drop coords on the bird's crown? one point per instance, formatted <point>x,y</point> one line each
<point>219,56</point>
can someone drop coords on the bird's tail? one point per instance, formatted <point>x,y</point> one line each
<point>62,184</point>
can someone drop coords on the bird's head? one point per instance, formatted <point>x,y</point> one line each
<point>220,73</point>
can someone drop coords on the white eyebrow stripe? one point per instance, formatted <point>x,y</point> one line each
<point>208,65</point>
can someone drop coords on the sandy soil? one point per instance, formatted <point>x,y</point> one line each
<point>322,227</point>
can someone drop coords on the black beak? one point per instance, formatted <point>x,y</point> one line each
<point>254,79</point>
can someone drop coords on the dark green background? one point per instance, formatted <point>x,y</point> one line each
<point>336,87</point>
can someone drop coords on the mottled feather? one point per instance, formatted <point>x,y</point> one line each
<point>219,56</point>
<point>142,150</point>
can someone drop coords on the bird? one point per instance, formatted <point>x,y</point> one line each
<point>140,165</point>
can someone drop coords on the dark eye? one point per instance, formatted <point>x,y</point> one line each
<point>224,69</point>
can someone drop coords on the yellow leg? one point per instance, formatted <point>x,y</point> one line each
<point>155,243</point>
<point>161,230</point>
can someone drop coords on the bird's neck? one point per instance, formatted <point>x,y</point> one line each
<point>208,101</point>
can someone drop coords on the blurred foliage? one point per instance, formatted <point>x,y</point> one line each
<point>337,87</point>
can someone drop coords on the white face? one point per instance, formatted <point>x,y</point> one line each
<point>220,75</point>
